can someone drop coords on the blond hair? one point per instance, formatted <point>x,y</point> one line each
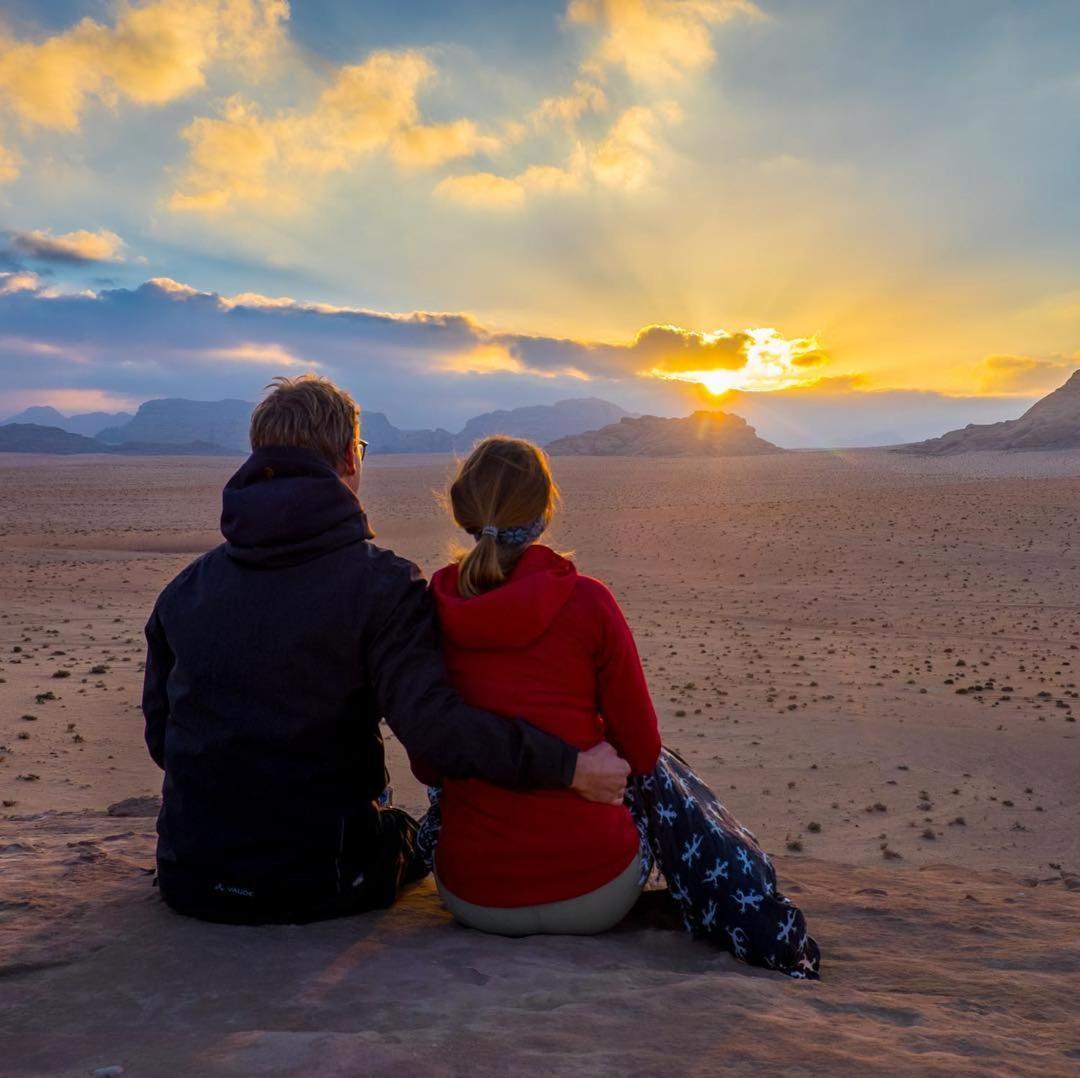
<point>505,483</point>
<point>307,412</point>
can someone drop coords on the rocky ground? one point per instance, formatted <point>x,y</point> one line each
<point>873,657</point>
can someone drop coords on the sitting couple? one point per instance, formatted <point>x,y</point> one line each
<point>513,683</point>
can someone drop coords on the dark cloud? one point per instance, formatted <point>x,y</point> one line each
<point>656,347</point>
<point>71,248</point>
<point>810,359</point>
<point>12,262</point>
<point>674,350</point>
<point>164,339</point>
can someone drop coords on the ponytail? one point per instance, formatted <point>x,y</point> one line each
<point>481,568</point>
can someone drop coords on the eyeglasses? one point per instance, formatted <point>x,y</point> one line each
<point>363,448</point>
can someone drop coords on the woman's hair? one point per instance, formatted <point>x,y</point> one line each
<point>504,486</point>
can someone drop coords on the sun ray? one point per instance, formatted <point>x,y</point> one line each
<point>772,363</point>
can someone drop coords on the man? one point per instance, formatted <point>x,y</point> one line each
<point>270,662</point>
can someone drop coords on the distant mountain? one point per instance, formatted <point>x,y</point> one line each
<point>224,424</point>
<point>703,434</point>
<point>40,414</point>
<point>1051,423</point>
<point>32,438</point>
<point>173,420</point>
<point>823,417</point>
<point>87,424</point>
<point>542,423</point>
<point>384,437</point>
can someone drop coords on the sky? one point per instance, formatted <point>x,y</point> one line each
<point>865,209</point>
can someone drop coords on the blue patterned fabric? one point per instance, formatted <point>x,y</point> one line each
<point>427,838</point>
<point>721,880</point>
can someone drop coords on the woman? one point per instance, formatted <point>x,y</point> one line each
<point>525,634</point>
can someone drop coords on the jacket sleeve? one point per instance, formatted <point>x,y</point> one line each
<point>425,773</point>
<point>624,701</point>
<point>442,734</point>
<point>155,699</point>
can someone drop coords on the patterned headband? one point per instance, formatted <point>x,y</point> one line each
<point>519,536</point>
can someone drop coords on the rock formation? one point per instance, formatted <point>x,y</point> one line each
<point>1051,423</point>
<point>703,434</point>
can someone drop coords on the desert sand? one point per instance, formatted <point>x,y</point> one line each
<point>875,660</point>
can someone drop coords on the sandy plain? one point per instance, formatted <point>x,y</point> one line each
<point>875,660</point>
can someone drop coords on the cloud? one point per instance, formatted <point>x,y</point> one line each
<point>165,324</point>
<point>170,287</point>
<point>1026,374</point>
<point>656,42</point>
<point>623,159</point>
<point>259,354</point>
<point>158,51</point>
<point>585,97</point>
<point>756,359</point>
<point>672,349</point>
<point>68,401</point>
<point>152,54</point>
<point>552,179</point>
<point>487,191</point>
<point>166,338</point>
<point>428,368</point>
<point>243,156</point>
<point>485,359</point>
<point>19,281</point>
<point>483,190</point>
<point>498,357</point>
<point>80,246</point>
<point>16,345</point>
<point>428,145</point>
<point>9,164</point>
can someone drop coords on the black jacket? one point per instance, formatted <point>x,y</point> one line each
<point>271,660</point>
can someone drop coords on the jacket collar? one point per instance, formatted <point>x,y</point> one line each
<point>287,505</point>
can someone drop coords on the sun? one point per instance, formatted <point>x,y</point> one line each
<point>772,363</point>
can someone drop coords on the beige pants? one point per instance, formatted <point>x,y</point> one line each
<point>585,915</point>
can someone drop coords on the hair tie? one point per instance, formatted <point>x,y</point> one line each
<point>519,536</point>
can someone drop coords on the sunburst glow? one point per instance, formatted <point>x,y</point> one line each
<point>772,362</point>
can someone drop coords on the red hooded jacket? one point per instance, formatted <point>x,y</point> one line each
<point>550,646</point>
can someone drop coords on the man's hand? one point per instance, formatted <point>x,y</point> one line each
<point>601,775</point>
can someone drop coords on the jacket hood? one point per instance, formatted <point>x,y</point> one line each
<point>286,506</point>
<point>512,615</point>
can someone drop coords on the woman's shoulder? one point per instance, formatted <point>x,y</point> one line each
<point>446,574</point>
<point>594,610</point>
<point>443,584</point>
<point>594,594</point>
